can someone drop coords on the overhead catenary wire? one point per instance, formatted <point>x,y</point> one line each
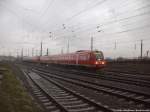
<point>119,20</point>
<point>128,11</point>
<point>146,6</point>
<point>48,6</point>
<point>86,9</point>
<point>120,32</point>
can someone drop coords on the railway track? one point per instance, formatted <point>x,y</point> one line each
<point>133,79</point>
<point>140,74</point>
<point>120,77</point>
<point>130,96</point>
<point>137,76</point>
<point>128,75</point>
<point>61,99</point>
<point>116,77</point>
<point>42,96</point>
<point>98,78</point>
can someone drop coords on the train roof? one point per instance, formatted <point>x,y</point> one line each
<point>83,51</point>
<point>80,51</point>
<point>87,51</point>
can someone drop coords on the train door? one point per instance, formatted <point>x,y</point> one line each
<point>92,59</point>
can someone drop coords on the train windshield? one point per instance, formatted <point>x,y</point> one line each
<point>99,56</point>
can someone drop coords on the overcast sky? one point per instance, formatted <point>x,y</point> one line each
<point>25,23</point>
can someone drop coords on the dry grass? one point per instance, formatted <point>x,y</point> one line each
<point>13,97</point>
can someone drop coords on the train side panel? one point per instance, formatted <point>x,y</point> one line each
<point>92,59</point>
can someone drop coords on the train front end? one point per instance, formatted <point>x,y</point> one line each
<point>99,61</point>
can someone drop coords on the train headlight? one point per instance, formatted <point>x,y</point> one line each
<point>96,62</point>
<point>103,62</point>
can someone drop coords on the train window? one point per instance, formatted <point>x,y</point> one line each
<point>82,57</point>
<point>99,55</point>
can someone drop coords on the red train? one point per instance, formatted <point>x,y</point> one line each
<point>86,58</point>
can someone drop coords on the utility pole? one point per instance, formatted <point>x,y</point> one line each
<point>9,56</point>
<point>22,53</point>
<point>28,52</point>
<point>141,49</point>
<point>91,43</point>
<point>147,52</point>
<point>32,52</point>
<point>41,48</point>
<point>47,52</point>
<point>68,47</point>
<point>61,50</point>
<point>115,45</point>
<point>17,53</point>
